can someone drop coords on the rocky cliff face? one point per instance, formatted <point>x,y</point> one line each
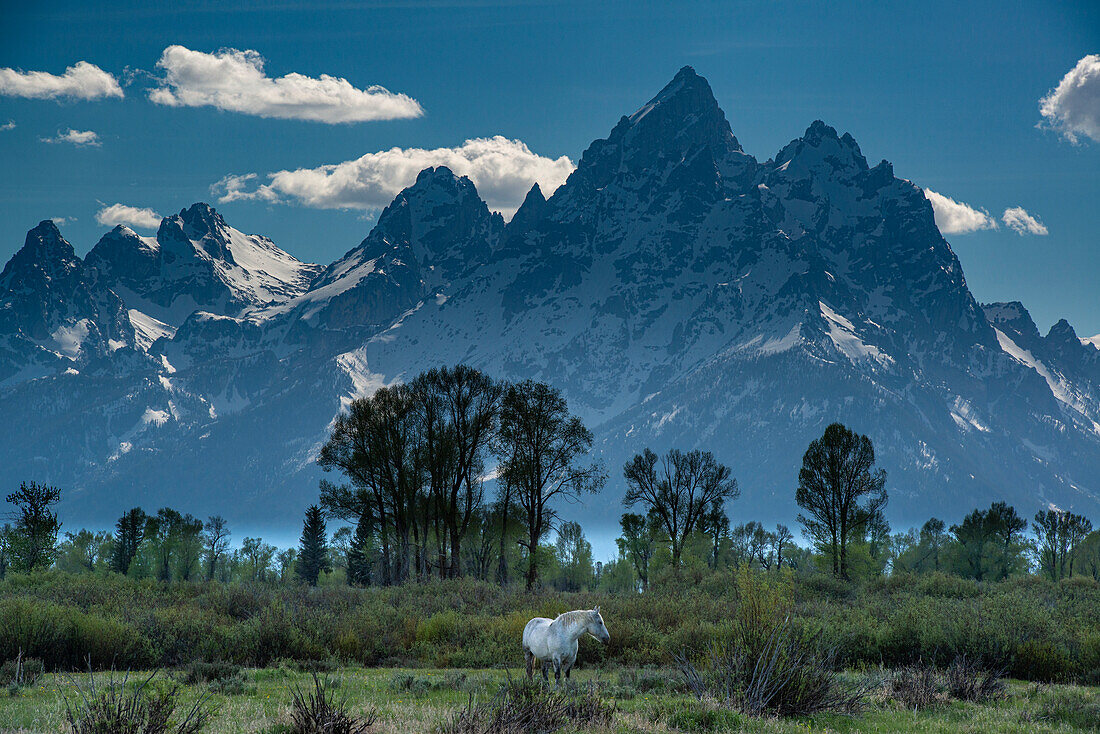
<point>679,291</point>
<point>197,263</point>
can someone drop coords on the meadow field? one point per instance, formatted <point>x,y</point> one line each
<point>646,700</point>
<point>444,656</point>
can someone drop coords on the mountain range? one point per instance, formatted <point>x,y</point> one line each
<point>679,291</point>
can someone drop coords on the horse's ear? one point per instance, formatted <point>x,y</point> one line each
<point>597,609</point>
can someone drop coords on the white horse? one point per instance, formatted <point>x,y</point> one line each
<point>554,641</point>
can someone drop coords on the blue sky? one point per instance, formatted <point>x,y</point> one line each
<point>948,92</point>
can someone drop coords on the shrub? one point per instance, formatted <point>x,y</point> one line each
<point>699,716</point>
<point>520,707</point>
<point>1034,628</point>
<point>317,666</point>
<point>203,672</point>
<point>318,711</point>
<point>1043,660</point>
<point>1072,706</point>
<point>914,686</point>
<point>121,709</point>
<point>783,677</point>
<point>21,671</point>
<point>968,680</point>
<point>402,682</point>
<point>649,680</point>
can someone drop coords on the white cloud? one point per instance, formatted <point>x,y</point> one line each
<point>80,81</point>
<point>1018,220</point>
<point>76,137</point>
<point>235,81</point>
<point>129,215</point>
<point>235,188</point>
<point>60,221</point>
<point>9,125</point>
<point>503,171</point>
<point>1073,107</point>
<point>955,217</point>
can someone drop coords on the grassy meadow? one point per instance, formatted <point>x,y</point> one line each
<point>439,656</point>
<point>424,700</point>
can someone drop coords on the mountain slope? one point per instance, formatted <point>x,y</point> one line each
<point>55,313</point>
<point>197,262</point>
<point>681,293</point>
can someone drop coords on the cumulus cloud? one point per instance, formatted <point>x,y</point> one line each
<point>1073,107</point>
<point>1018,220</point>
<point>75,137</point>
<point>80,81</point>
<point>129,215</point>
<point>238,188</point>
<point>955,217</point>
<point>503,171</point>
<point>235,81</point>
<point>60,221</point>
<point>9,125</point>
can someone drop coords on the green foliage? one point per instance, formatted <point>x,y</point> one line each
<point>319,711</point>
<point>532,708</point>
<point>1038,629</point>
<point>313,556</point>
<point>21,671</point>
<point>32,543</point>
<point>1069,706</point>
<point>700,716</point>
<point>841,493</point>
<point>113,707</point>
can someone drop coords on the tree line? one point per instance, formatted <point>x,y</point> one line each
<point>415,459</point>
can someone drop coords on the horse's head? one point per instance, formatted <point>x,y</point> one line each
<point>596,627</point>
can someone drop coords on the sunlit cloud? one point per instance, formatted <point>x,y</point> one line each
<point>80,81</point>
<point>132,216</point>
<point>79,138</point>
<point>235,81</point>
<point>503,171</point>
<point>1019,221</point>
<point>955,217</point>
<point>1073,107</point>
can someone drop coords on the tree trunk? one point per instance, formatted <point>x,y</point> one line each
<point>456,555</point>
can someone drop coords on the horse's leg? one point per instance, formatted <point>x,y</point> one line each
<point>546,672</point>
<point>557,671</point>
<point>530,660</point>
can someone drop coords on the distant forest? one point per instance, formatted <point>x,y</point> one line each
<point>410,465</point>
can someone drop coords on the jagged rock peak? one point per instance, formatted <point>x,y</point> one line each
<point>820,145</point>
<point>44,250</point>
<point>1011,315</point>
<point>1062,331</point>
<point>683,115</point>
<point>532,208</point>
<point>201,218</point>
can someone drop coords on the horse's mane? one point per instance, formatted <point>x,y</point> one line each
<point>577,616</point>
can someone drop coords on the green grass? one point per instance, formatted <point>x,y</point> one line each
<point>418,700</point>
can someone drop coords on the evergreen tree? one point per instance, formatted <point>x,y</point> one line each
<point>33,539</point>
<point>313,549</point>
<point>129,532</point>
